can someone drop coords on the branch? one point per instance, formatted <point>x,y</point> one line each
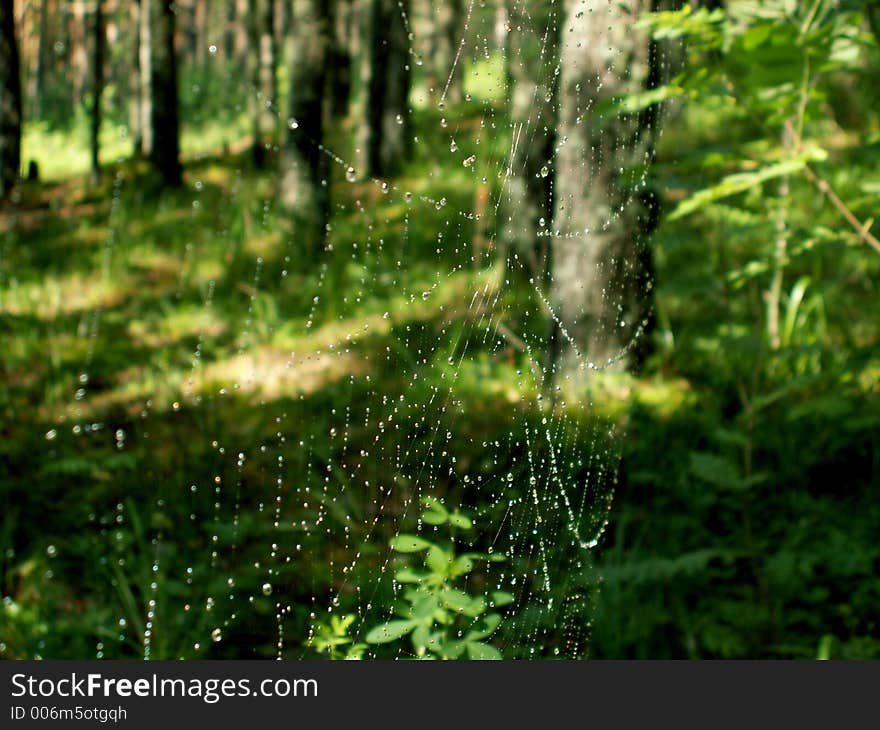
<point>862,229</point>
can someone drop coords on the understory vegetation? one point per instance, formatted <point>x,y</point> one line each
<point>191,404</point>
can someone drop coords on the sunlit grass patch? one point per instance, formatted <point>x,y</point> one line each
<point>64,294</point>
<point>186,321</point>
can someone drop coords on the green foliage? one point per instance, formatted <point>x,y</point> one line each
<point>744,516</point>
<point>441,618</point>
<point>333,640</point>
<point>742,525</point>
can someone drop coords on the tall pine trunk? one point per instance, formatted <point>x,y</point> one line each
<point>44,61</point>
<point>200,19</point>
<point>145,66</point>
<point>601,260</point>
<point>527,208</point>
<point>261,63</point>
<point>388,111</point>
<point>304,191</point>
<point>341,65</point>
<point>10,102</point>
<point>79,54</point>
<point>448,63</point>
<point>165,153</point>
<point>97,88</point>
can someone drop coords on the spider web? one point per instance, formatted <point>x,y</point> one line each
<point>412,364</point>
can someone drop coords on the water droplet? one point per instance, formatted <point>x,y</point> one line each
<point>292,123</point>
<point>216,635</point>
<point>51,434</point>
<point>545,171</point>
<point>51,551</point>
<point>350,174</point>
<point>267,589</point>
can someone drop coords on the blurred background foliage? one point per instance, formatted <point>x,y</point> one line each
<point>745,516</point>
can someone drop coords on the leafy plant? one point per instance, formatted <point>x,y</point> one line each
<point>442,619</point>
<point>333,640</point>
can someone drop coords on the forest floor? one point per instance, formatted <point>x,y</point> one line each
<point>141,329</point>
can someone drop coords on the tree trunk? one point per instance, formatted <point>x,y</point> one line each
<point>448,63</point>
<point>145,66</point>
<point>10,103</point>
<point>388,110</point>
<point>340,66</point>
<point>282,25</point>
<point>601,261</point>
<point>268,80</point>
<point>97,88</point>
<point>304,167</point>
<point>527,207</point>
<point>229,30</point>
<point>44,45</point>
<point>261,63</point>
<point>165,153</point>
<point>240,25</point>
<point>200,18</point>
<point>79,52</point>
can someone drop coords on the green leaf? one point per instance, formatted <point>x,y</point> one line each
<point>453,649</point>
<point>634,103</point>
<point>479,650</point>
<point>434,505</point>
<point>459,520</point>
<point>490,623</point>
<point>434,518</point>
<point>461,602</point>
<point>462,565</point>
<point>421,637</point>
<point>742,181</point>
<point>716,470</point>
<point>438,560</point>
<point>409,544</point>
<point>456,600</point>
<point>722,473</point>
<point>501,598</point>
<point>390,631</point>
<point>408,575</point>
<point>424,606</point>
<point>793,308</point>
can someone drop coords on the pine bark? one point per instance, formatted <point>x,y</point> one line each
<point>10,103</point>
<point>304,166</point>
<point>44,44</point>
<point>388,110</point>
<point>164,122</point>
<point>341,65</point>
<point>447,61</point>
<point>527,208</point>
<point>261,63</point>
<point>97,87</point>
<point>145,65</point>
<point>601,258</point>
<point>79,56</point>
